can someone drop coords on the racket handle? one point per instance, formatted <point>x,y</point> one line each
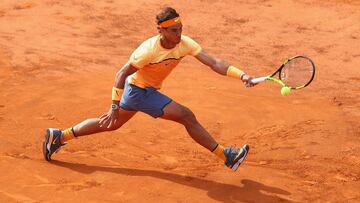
<point>258,80</point>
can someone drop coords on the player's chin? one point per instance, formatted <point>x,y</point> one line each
<point>177,40</point>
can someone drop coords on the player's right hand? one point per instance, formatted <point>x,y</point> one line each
<point>109,119</point>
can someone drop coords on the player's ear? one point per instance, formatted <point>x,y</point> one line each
<point>159,29</point>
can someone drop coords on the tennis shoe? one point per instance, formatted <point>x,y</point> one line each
<point>235,156</point>
<point>52,142</point>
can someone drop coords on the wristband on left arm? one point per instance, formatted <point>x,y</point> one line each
<point>234,72</point>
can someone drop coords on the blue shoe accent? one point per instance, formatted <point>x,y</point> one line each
<point>52,142</point>
<point>235,156</point>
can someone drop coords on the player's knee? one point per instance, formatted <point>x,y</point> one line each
<point>187,117</point>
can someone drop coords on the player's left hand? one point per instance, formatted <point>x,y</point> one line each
<point>246,79</point>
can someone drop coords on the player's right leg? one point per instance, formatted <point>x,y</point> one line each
<point>54,138</point>
<point>92,125</point>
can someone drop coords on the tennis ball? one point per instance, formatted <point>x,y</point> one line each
<point>285,91</point>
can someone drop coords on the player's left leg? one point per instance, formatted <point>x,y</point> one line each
<point>232,156</point>
<point>186,117</point>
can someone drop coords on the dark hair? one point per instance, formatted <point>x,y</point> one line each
<point>165,14</point>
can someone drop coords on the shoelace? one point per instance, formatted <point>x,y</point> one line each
<point>234,149</point>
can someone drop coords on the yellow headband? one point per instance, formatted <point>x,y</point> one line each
<point>170,22</point>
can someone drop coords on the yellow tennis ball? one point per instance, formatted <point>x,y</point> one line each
<point>285,91</point>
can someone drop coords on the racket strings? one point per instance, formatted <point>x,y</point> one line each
<point>297,72</point>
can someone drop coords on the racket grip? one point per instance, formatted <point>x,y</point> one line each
<point>258,80</point>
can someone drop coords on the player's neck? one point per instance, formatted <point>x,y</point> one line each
<point>166,43</point>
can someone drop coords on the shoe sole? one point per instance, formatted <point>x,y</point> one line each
<point>48,139</point>
<point>246,148</point>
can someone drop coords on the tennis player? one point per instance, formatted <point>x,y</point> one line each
<point>137,85</point>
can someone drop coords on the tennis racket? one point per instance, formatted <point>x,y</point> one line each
<point>295,73</point>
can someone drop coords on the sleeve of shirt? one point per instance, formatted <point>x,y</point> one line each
<point>193,47</point>
<point>141,56</point>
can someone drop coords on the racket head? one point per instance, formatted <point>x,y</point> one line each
<point>297,72</point>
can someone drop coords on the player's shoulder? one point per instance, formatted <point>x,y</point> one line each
<point>147,46</point>
<point>186,38</point>
<point>151,42</point>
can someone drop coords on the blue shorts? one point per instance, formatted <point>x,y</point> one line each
<point>147,100</point>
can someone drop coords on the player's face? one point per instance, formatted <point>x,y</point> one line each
<point>173,33</point>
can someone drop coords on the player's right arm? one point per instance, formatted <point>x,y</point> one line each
<point>110,118</point>
<point>138,59</point>
<point>120,78</point>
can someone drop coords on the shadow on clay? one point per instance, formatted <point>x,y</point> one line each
<point>247,191</point>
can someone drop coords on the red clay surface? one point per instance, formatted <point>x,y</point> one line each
<point>58,60</point>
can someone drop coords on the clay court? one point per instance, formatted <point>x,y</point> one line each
<point>58,61</point>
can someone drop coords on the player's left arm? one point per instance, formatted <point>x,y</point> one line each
<point>224,68</point>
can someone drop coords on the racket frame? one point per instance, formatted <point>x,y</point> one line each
<point>278,71</point>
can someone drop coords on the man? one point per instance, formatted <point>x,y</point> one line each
<point>136,89</point>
